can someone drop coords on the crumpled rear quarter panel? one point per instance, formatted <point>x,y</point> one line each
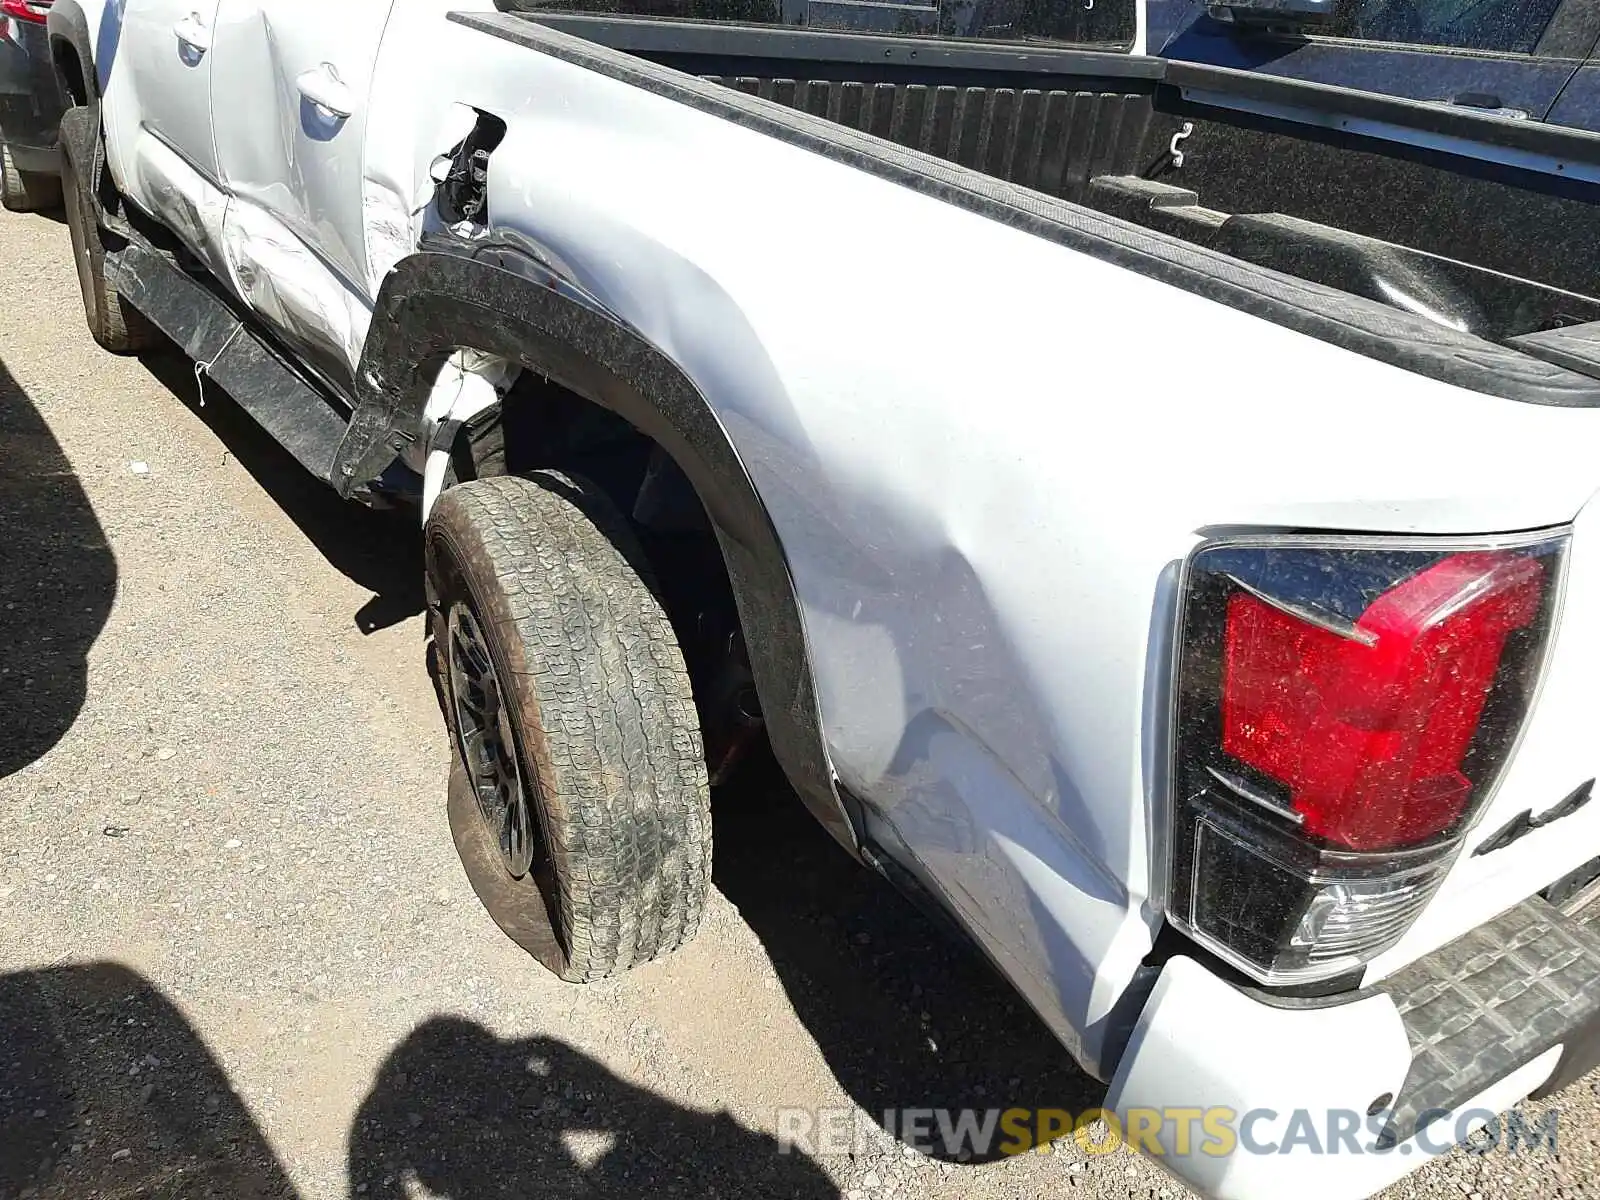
<point>987,456</point>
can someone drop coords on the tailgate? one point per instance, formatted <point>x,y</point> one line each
<point>1540,827</point>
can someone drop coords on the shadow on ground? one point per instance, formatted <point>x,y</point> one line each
<point>57,581</point>
<point>379,551</point>
<point>906,1015</point>
<point>468,1115</point>
<point>106,1089</point>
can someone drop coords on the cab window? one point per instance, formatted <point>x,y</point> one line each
<point>1097,23</point>
<point>1506,26</point>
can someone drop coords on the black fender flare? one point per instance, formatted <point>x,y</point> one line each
<point>504,302</point>
<point>66,26</point>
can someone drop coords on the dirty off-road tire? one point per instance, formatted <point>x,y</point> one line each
<point>550,638</point>
<point>26,191</point>
<point>116,325</point>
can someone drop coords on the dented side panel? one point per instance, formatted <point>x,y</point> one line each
<point>291,160</point>
<point>985,456</point>
<point>983,479</point>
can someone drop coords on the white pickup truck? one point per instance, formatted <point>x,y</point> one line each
<point>1149,508</point>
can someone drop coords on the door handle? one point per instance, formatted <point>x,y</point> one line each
<point>1489,103</point>
<point>193,34</point>
<point>323,87</point>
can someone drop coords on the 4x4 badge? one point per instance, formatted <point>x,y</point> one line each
<point>1525,822</point>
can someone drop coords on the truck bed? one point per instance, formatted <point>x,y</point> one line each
<point>1450,243</point>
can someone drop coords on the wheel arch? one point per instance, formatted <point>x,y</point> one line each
<point>71,50</point>
<point>435,302</point>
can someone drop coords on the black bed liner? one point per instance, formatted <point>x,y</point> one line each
<point>1355,323</point>
<point>696,47</point>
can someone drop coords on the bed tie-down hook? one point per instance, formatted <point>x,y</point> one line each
<point>1177,140</point>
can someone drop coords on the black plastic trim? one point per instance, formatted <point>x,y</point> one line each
<point>1171,942</point>
<point>1364,326</point>
<point>67,23</point>
<point>234,351</point>
<point>1480,1008</point>
<point>1525,822</point>
<point>1576,347</point>
<point>1576,887</point>
<point>505,303</point>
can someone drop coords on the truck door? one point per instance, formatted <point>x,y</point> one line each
<point>156,109</point>
<point>289,103</point>
<point>1510,57</point>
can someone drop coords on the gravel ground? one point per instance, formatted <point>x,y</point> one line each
<point>240,959</point>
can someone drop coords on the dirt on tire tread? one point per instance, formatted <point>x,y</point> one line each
<point>116,325</point>
<point>598,668</point>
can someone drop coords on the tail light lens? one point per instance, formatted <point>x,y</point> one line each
<point>34,11</point>
<point>1344,708</point>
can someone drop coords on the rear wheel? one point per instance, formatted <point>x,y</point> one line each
<point>579,799</point>
<point>115,324</point>
<point>26,191</point>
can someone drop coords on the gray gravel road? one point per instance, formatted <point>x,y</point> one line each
<point>237,954</point>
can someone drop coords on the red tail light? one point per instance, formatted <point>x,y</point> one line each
<point>26,10</point>
<point>1368,726</point>
<point>1344,707</point>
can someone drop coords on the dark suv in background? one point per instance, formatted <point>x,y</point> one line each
<point>30,109</point>
<point>1518,59</point>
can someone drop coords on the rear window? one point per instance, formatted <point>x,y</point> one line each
<point>1100,23</point>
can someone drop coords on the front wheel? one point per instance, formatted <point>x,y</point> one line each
<point>579,799</point>
<point>114,323</point>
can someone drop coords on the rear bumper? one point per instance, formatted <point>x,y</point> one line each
<point>1316,1099</point>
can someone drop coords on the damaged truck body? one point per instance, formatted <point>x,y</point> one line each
<point>1147,507</point>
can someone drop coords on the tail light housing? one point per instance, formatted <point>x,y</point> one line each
<point>1344,707</point>
<point>32,11</point>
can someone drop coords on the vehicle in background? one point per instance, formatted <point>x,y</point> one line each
<point>1525,60</point>
<point>30,109</point>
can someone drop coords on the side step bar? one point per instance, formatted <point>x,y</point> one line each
<point>242,362</point>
